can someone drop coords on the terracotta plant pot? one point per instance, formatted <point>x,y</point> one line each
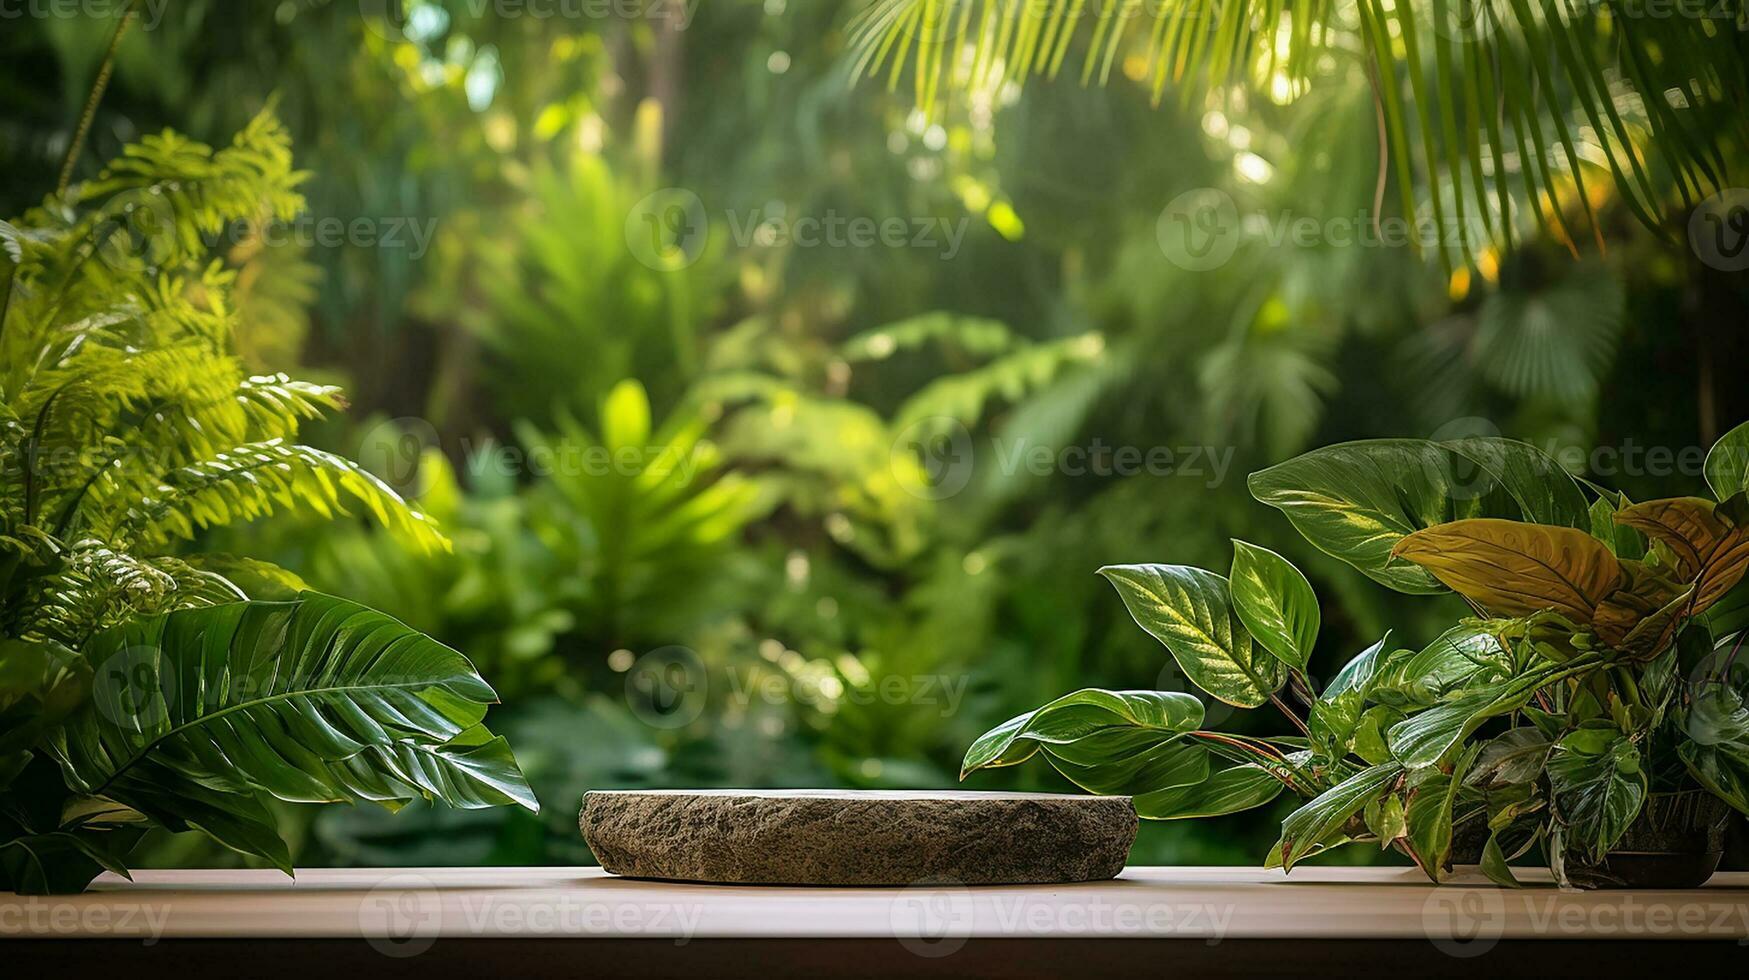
<point>1676,842</point>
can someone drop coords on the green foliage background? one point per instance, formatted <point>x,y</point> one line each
<point>821,552</point>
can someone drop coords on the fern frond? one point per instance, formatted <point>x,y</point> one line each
<point>976,336</point>
<point>139,239</point>
<point>98,587</point>
<point>257,479</point>
<point>963,398</point>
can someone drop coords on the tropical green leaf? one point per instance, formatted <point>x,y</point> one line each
<point>1544,492</point>
<point>1450,663</point>
<point>312,700</point>
<point>1227,791</point>
<point>1109,771</point>
<point>1384,817</point>
<point>1275,602</point>
<point>1322,821</point>
<point>1000,746</point>
<point>1336,715</point>
<point>1190,611</point>
<point>1494,864</point>
<point>1427,821</point>
<point>1089,727</point>
<point>253,480</point>
<point>1546,72</point>
<point>1358,675</point>
<point>1511,759</point>
<point>1425,739</point>
<point>1599,786</point>
<point>1624,541</point>
<point>1716,747</point>
<point>1727,463</point>
<point>1722,769</point>
<point>1356,500</point>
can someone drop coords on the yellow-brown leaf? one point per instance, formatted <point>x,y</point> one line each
<point>1514,569</point>
<point>1711,551</point>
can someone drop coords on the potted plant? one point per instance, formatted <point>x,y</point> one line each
<point>1592,705</point>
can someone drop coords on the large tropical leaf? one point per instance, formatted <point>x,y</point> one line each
<point>1511,759</point>
<point>1716,749</point>
<point>1544,492</point>
<point>1428,816</point>
<point>1515,569</point>
<point>1275,602</point>
<point>1190,610</point>
<point>313,700</point>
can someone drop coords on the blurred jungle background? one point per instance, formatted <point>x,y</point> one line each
<point>779,426</point>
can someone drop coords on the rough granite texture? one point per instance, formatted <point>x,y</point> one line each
<point>844,837</point>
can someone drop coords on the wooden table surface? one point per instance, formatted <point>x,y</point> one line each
<point>1215,920</point>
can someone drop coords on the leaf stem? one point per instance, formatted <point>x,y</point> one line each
<point>1731,658</point>
<point>1298,722</point>
<point>98,87</point>
<point>1274,762</point>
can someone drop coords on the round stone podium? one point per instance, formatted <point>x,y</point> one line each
<point>857,837</point>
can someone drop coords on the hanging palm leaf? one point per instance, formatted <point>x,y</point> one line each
<point>1490,109</point>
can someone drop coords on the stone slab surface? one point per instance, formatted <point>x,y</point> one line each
<point>848,837</point>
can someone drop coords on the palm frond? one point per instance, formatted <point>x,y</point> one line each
<point>1494,111</point>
